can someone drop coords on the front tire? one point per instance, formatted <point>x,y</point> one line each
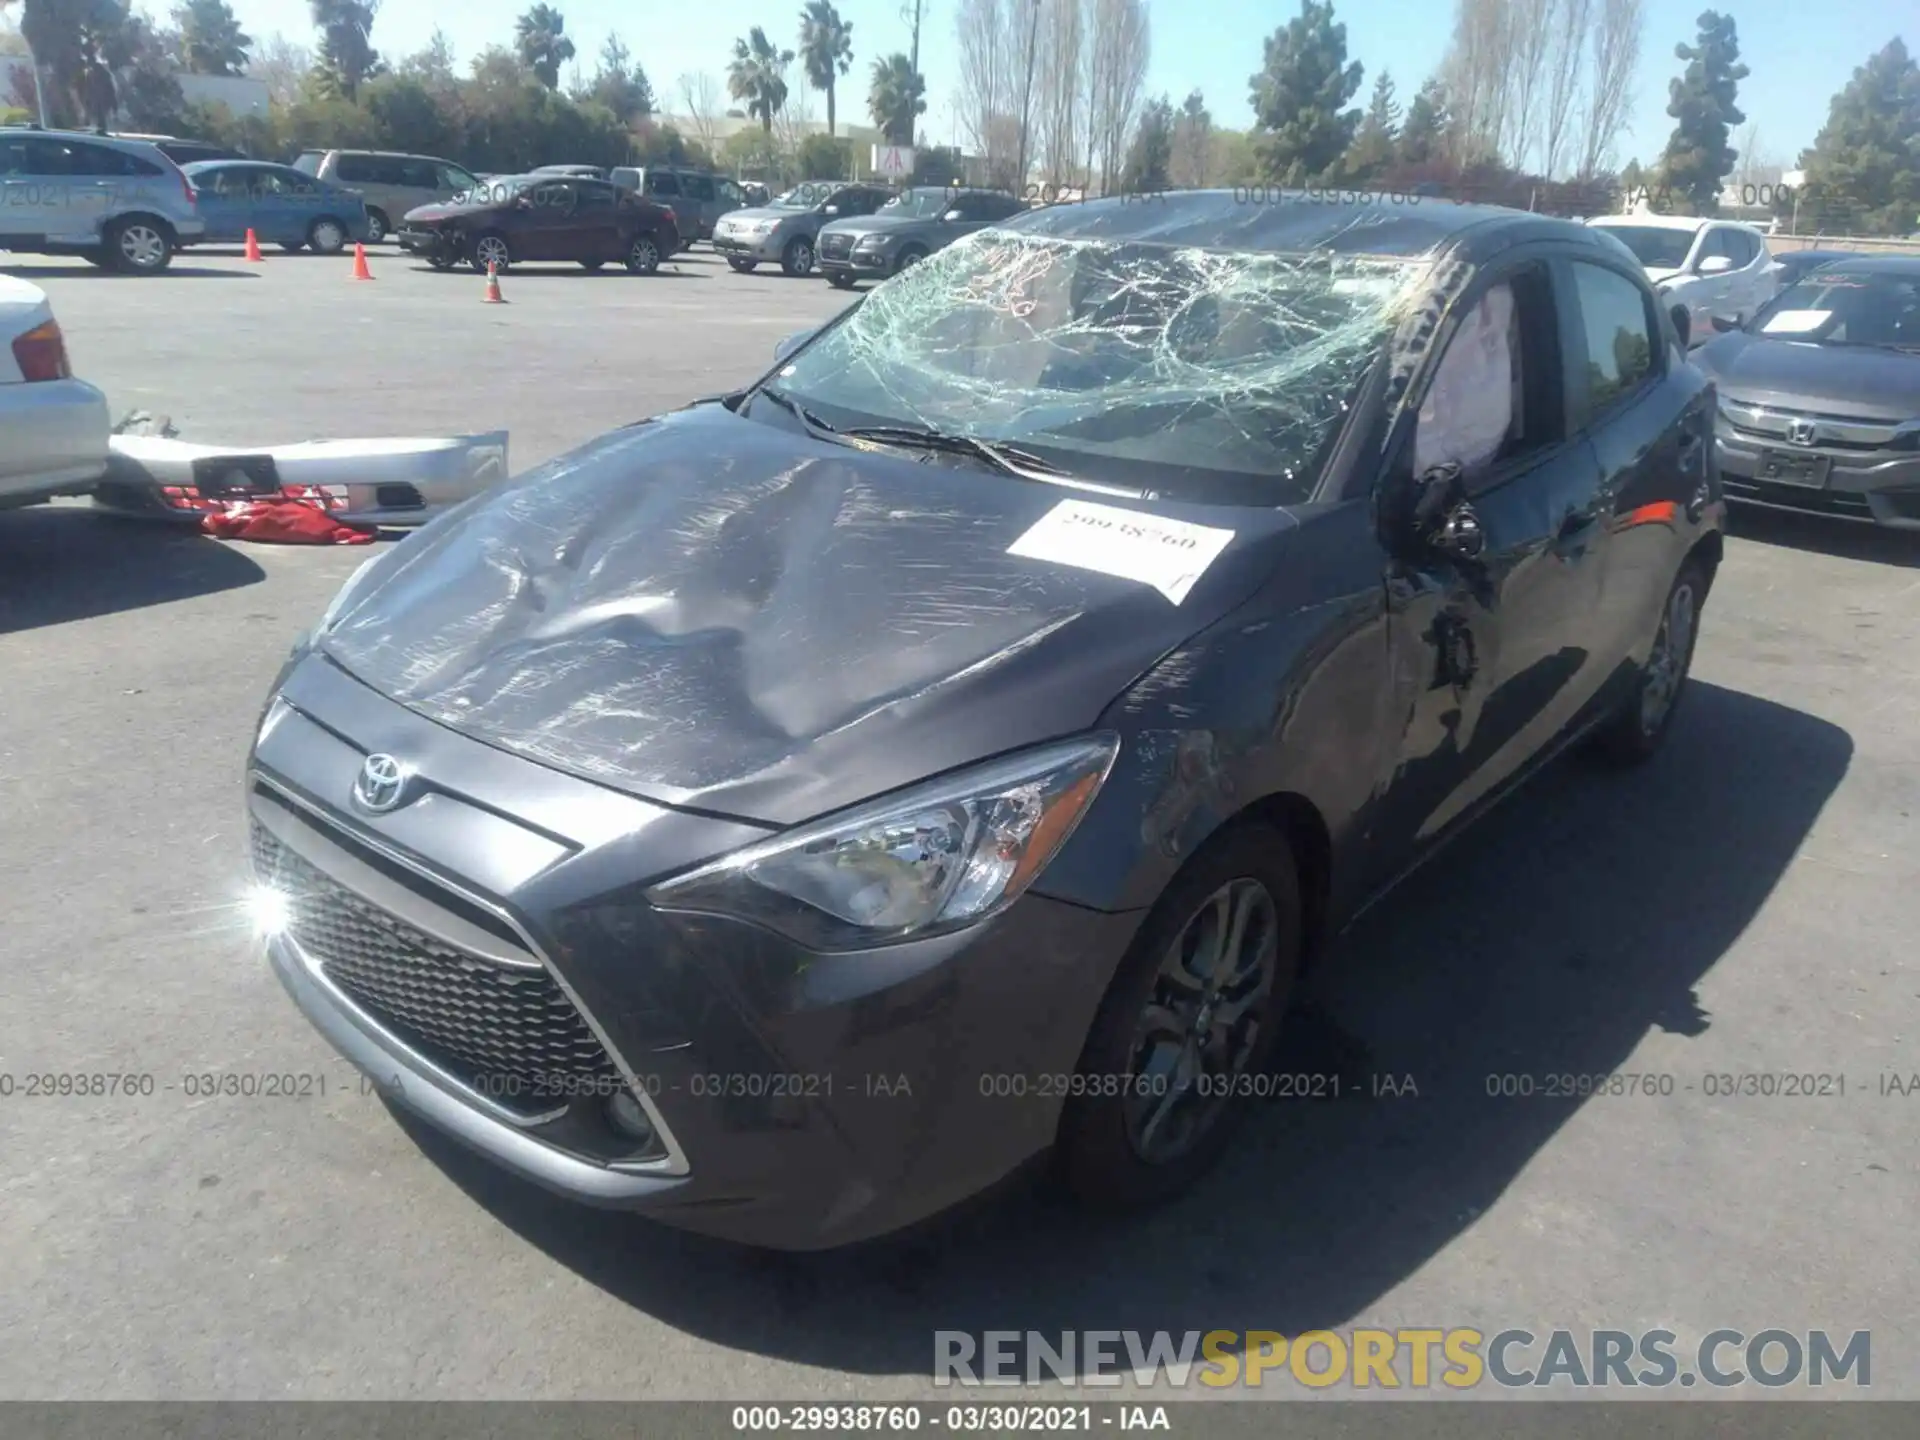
<point>840,280</point>
<point>139,246</point>
<point>377,226</point>
<point>1189,1021</point>
<point>490,248</point>
<point>909,258</point>
<point>1636,732</point>
<point>797,258</point>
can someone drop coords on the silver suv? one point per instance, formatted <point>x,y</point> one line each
<point>121,204</point>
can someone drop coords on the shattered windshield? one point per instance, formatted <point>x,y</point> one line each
<point>1191,373</point>
<point>920,204</point>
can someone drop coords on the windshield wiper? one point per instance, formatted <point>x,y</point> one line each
<point>1004,457</point>
<point>815,426</point>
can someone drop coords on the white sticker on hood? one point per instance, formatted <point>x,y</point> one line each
<point>1169,555</point>
<point>1796,322</point>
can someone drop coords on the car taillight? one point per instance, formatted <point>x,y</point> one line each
<point>186,187</point>
<point>41,353</point>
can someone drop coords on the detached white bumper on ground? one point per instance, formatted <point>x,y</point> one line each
<point>377,482</point>
<point>53,428</point>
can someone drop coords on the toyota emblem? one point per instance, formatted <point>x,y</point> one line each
<point>1800,432</point>
<point>382,783</point>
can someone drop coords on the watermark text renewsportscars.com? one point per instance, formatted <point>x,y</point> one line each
<point>1456,1358</point>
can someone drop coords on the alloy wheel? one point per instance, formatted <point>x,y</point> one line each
<point>644,257</point>
<point>800,257</point>
<point>328,237</point>
<point>1672,654</point>
<point>1200,1027</point>
<point>376,227</point>
<point>490,250</point>
<point>142,246</point>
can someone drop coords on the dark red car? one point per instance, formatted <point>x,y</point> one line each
<point>513,219</point>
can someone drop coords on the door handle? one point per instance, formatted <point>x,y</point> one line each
<point>1693,450</point>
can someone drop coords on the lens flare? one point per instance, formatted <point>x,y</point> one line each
<point>269,911</point>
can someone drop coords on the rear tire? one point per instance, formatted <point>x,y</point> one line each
<point>1636,732</point>
<point>643,254</point>
<point>745,267</point>
<point>840,281</point>
<point>1111,1151</point>
<point>139,246</point>
<point>591,265</point>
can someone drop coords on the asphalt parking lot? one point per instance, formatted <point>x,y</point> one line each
<point>1744,905</point>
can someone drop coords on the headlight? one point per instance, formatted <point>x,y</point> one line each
<point>870,242</point>
<point>933,858</point>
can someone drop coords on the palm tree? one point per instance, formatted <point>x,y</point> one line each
<point>897,97</point>
<point>758,75</point>
<point>346,41</point>
<point>540,37</point>
<point>826,48</point>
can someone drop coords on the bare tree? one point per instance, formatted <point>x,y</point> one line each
<point>1479,75</point>
<point>793,122</point>
<point>1531,25</point>
<point>700,98</point>
<point>1060,112</point>
<point>1566,62</point>
<point>1615,56</point>
<point>1021,86</point>
<point>1119,46</point>
<point>981,28</point>
<point>282,66</point>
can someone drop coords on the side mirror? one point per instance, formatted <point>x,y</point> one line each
<point>1683,324</point>
<point>1431,515</point>
<point>830,210</point>
<point>1715,265</point>
<point>792,343</point>
<point>953,215</point>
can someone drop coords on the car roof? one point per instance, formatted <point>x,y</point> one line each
<point>1655,222</point>
<point>1285,221</point>
<point>137,143</point>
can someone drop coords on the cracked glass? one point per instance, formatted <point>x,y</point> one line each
<point>1185,372</point>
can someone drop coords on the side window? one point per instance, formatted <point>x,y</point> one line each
<point>967,205</point>
<point>660,182</point>
<point>49,157</point>
<point>595,197</point>
<point>420,174</point>
<point>354,169</point>
<point>13,156</point>
<point>452,177</point>
<point>698,187</point>
<point>1497,393</point>
<point>1745,248</point>
<point>730,193</point>
<point>1002,207</point>
<point>1719,241</point>
<point>1620,334</point>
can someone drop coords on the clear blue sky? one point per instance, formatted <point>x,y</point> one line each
<point>1800,51</point>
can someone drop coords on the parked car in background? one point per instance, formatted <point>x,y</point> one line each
<point>1713,267</point>
<point>785,231</point>
<point>1794,264</point>
<point>118,203</point>
<point>754,192</point>
<point>185,152</point>
<point>583,172</point>
<point>517,219</point>
<point>53,428</point>
<point>908,228</point>
<point>698,198</point>
<point>281,205</point>
<point>1820,393</point>
<point>391,183</point>
<point>1026,676</point>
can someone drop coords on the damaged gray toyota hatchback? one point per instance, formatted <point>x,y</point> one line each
<point>787,816</point>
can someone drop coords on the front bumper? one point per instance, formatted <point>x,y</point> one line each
<point>805,1100</point>
<point>763,248</point>
<point>429,245</point>
<point>861,264</point>
<point>391,483</point>
<point>56,434</point>
<point>1875,486</point>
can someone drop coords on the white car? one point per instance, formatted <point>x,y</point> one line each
<point>1713,267</point>
<point>53,428</point>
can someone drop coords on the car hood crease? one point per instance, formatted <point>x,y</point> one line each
<point>718,613</point>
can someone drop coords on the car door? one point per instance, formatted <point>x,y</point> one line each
<point>1491,653</point>
<point>23,208</point>
<point>546,218</point>
<point>702,201</point>
<point>595,233</point>
<point>72,189</point>
<point>222,201</point>
<point>1648,416</point>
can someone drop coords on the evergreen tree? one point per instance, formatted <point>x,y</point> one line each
<point>1150,158</point>
<point>1300,97</point>
<point>1425,130</point>
<point>1375,144</point>
<point>1699,154</point>
<point>211,40</point>
<point>1864,167</point>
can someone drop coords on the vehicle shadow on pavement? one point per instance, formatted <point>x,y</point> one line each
<point>69,562</point>
<point>172,272</point>
<point>1843,539</point>
<point>1579,918</point>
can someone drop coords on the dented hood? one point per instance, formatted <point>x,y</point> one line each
<point>716,612</point>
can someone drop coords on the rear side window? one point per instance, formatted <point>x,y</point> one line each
<point>308,162</point>
<point>1619,335</point>
<point>13,156</point>
<point>697,187</point>
<point>420,174</point>
<point>662,184</point>
<point>354,169</point>
<point>452,177</point>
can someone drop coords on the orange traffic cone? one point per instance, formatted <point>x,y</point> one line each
<point>494,297</point>
<point>360,270</point>
<point>253,247</point>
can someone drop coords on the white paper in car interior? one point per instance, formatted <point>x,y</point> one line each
<point>1796,322</point>
<point>1169,555</point>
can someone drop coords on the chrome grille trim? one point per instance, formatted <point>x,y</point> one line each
<point>1770,422</point>
<point>674,1163</point>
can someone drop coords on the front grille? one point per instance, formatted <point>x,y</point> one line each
<point>836,247</point>
<point>510,1034</point>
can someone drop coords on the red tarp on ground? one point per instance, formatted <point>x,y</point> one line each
<point>286,521</point>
